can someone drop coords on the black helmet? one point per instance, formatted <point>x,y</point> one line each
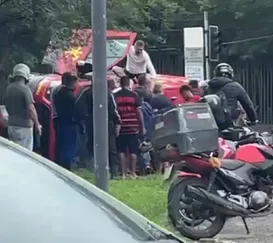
<point>223,69</point>
<point>213,101</point>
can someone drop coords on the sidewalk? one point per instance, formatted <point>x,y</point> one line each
<point>260,228</point>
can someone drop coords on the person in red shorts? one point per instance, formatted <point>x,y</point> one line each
<point>132,125</point>
<point>187,95</point>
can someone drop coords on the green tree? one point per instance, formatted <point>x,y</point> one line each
<point>28,26</point>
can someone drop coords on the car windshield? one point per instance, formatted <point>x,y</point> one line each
<point>115,49</point>
<point>43,203</point>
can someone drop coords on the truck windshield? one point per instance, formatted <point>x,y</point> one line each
<point>115,49</point>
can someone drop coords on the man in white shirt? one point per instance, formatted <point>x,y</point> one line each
<point>138,60</point>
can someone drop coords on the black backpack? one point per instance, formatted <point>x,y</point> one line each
<point>222,116</point>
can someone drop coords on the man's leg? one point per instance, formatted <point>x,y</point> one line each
<point>122,149</point>
<point>22,136</point>
<point>134,151</point>
<point>68,144</point>
<point>29,139</point>
<point>113,154</point>
<point>90,145</point>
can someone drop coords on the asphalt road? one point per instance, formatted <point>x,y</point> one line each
<point>261,230</point>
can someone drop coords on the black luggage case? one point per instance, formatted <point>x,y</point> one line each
<point>190,127</point>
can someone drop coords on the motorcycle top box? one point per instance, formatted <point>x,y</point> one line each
<point>189,127</point>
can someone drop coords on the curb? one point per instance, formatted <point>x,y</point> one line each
<point>215,241</point>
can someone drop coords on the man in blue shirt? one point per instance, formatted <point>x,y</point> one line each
<point>66,121</point>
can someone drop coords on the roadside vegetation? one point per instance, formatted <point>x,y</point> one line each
<point>147,195</point>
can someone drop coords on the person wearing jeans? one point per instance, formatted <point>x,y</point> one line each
<point>66,121</point>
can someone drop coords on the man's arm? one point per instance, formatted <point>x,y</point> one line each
<point>82,104</point>
<point>149,63</point>
<point>140,115</point>
<point>112,109</point>
<point>31,108</point>
<point>246,103</point>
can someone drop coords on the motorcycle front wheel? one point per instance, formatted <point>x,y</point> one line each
<point>186,214</point>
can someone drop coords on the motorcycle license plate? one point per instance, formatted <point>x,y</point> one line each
<point>167,172</point>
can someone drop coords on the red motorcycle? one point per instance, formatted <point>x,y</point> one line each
<point>212,189</point>
<point>232,145</point>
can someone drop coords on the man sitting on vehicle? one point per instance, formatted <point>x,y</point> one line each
<point>138,60</point>
<point>233,91</point>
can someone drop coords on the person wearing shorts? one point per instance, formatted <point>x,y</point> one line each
<point>129,108</point>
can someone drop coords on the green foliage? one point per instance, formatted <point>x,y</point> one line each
<point>29,25</point>
<point>242,19</point>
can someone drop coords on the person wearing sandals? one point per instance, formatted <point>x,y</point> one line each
<point>129,108</point>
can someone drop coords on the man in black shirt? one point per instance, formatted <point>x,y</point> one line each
<point>86,101</point>
<point>159,101</point>
<point>142,89</point>
<point>65,121</point>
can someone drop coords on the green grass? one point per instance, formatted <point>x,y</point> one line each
<point>147,195</point>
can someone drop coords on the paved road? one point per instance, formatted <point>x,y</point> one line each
<point>261,230</point>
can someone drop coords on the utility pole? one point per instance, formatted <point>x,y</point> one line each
<point>206,42</point>
<point>100,94</point>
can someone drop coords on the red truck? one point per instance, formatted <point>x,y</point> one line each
<point>63,61</point>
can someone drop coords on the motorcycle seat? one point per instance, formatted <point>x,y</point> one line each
<point>231,164</point>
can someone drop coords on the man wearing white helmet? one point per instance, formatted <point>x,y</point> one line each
<point>20,107</point>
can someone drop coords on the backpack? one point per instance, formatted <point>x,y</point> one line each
<point>222,117</point>
<point>148,117</point>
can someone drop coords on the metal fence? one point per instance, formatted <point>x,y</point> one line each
<point>256,76</point>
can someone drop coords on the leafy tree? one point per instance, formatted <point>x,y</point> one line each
<point>28,26</point>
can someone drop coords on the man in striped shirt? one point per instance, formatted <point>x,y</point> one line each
<point>132,125</point>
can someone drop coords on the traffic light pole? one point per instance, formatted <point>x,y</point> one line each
<point>206,42</point>
<point>100,94</point>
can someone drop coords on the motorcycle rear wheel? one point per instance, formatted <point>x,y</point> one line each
<point>180,222</point>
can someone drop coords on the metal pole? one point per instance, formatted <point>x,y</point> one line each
<point>100,94</point>
<point>206,42</point>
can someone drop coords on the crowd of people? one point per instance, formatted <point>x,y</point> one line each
<point>131,111</point>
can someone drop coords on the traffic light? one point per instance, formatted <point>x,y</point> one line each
<point>215,43</point>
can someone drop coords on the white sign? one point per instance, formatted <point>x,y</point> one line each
<point>194,72</point>
<point>194,53</point>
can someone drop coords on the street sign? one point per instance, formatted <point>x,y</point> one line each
<point>194,53</point>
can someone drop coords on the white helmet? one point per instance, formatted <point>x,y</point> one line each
<point>21,70</point>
